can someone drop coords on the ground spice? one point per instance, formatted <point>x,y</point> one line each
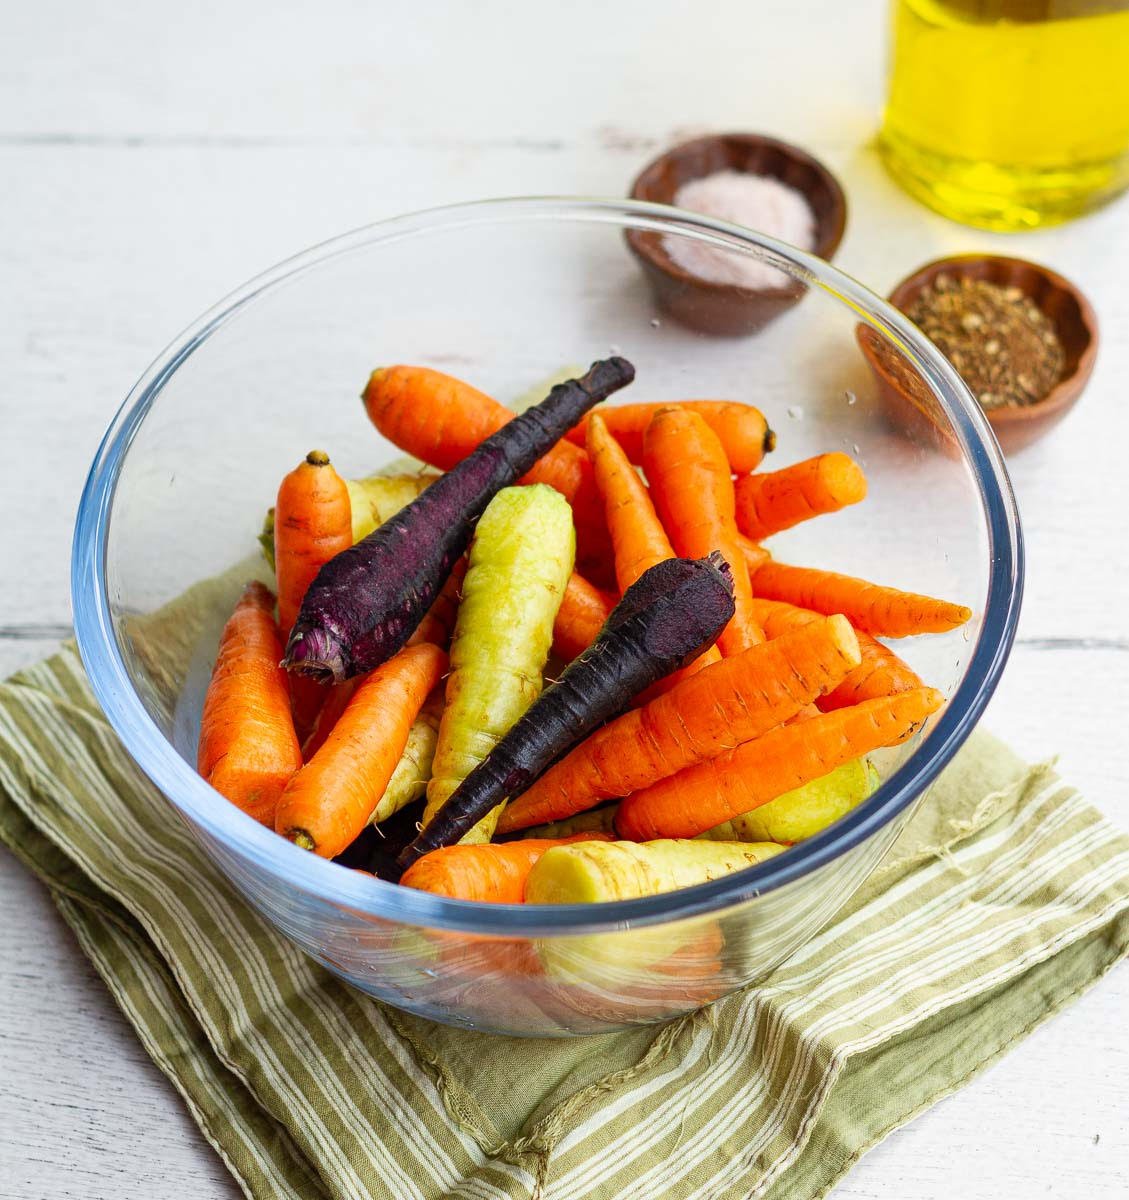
<point>1000,342</point>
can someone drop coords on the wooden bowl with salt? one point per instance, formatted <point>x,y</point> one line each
<point>730,308</point>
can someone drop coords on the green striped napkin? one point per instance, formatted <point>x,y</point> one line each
<point>1006,896</point>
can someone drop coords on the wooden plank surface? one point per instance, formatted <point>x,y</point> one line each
<point>148,165</point>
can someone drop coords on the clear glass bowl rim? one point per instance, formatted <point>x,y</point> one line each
<point>320,878</point>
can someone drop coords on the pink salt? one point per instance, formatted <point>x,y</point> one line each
<point>757,201</point>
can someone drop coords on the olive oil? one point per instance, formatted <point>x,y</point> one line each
<point>1009,114</point>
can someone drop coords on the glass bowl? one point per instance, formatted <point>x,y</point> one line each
<point>505,293</point>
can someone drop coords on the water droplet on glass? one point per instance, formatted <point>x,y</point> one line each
<point>850,397</point>
<point>964,633</point>
<point>655,323</point>
<point>795,412</point>
<point>855,447</point>
<point>613,349</point>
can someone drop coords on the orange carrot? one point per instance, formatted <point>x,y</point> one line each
<point>638,538</point>
<point>704,795</point>
<point>693,494</point>
<point>583,611</point>
<point>248,749</point>
<point>312,523</point>
<point>336,700</point>
<point>439,621</point>
<point>773,501</point>
<point>741,428</point>
<point>490,872</point>
<point>441,420</point>
<point>881,672</point>
<point>881,611</point>
<point>733,701</point>
<point>329,801</point>
<point>754,554</point>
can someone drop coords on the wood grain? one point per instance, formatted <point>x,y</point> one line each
<point>148,167</point>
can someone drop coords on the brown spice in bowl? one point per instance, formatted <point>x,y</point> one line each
<point>1001,344</point>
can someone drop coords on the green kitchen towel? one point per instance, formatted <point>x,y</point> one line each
<point>1006,896</point>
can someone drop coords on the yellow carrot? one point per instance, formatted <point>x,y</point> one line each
<point>519,564</point>
<point>597,872</point>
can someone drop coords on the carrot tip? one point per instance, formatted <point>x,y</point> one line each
<point>302,839</point>
<point>317,458</point>
<point>316,653</point>
<point>769,440</point>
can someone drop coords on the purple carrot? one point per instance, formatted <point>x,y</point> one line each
<point>366,602</point>
<point>664,621</point>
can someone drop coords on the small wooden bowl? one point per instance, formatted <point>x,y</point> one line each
<point>725,308</point>
<point>1063,304</point>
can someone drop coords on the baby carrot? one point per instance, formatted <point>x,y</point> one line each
<point>583,611</point>
<point>638,538</point>
<point>595,820</point>
<point>754,554</point>
<point>376,498</point>
<point>520,561</point>
<point>485,872</point>
<point>785,758</point>
<point>372,501</point>
<point>802,813</point>
<point>693,493</point>
<point>248,749</point>
<point>441,420</point>
<point>329,801</point>
<point>772,501</point>
<point>731,702</point>
<point>741,428</point>
<point>881,611</point>
<point>595,872</point>
<point>333,705</point>
<point>880,673</point>
<point>312,523</point>
<point>413,771</point>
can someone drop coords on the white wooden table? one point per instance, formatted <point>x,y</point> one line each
<point>154,156</point>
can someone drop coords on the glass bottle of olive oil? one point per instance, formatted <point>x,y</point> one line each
<point>1009,114</point>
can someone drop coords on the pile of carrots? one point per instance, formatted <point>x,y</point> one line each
<point>570,642</point>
